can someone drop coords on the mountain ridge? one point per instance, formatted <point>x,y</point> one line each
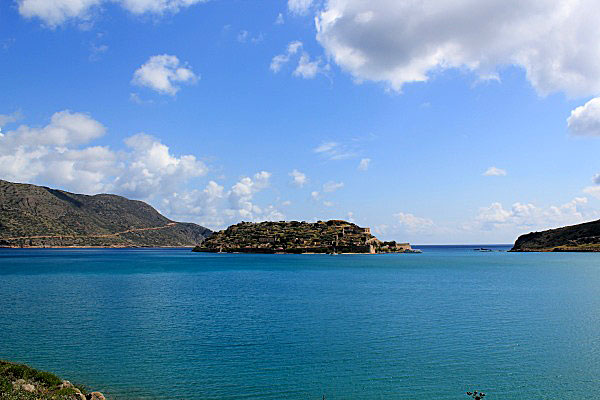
<point>583,237</point>
<point>38,216</point>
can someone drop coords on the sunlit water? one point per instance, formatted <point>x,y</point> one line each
<point>171,324</point>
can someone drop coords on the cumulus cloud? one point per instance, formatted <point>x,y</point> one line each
<point>401,224</point>
<point>412,223</point>
<point>585,120</point>
<point>203,206</point>
<point>398,42</point>
<point>241,199</point>
<point>162,73</point>
<point>364,163</point>
<point>65,127</point>
<point>527,216</point>
<point>60,154</point>
<point>331,186</point>
<point>57,12</point>
<point>279,20</point>
<point>9,118</point>
<point>152,168</point>
<point>306,67</point>
<point>494,171</point>
<point>299,7</point>
<point>298,178</point>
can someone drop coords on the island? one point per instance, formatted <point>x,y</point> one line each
<point>582,237</point>
<point>295,237</point>
<point>37,216</point>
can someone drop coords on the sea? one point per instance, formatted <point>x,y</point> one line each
<point>172,324</point>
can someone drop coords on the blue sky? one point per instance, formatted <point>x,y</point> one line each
<point>431,122</point>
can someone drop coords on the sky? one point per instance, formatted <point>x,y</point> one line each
<point>431,121</point>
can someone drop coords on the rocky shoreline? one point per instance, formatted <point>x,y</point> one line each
<point>21,382</point>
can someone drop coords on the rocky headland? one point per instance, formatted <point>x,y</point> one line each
<point>37,216</point>
<point>583,237</point>
<point>20,382</point>
<point>296,237</point>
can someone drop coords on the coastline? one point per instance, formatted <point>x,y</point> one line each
<point>96,247</point>
<point>21,382</point>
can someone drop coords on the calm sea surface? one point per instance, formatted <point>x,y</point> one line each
<point>171,324</point>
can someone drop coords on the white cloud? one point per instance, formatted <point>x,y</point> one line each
<point>398,42</point>
<point>299,178</point>
<point>299,7</point>
<point>279,20</point>
<point>203,206</point>
<point>412,223</point>
<point>364,163</point>
<point>331,186</point>
<point>494,171</point>
<point>162,72</point>
<point>59,154</point>
<point>530,217</point>
<point>57,12</point>
<point>334,151</point>
<point>157,6</point>
<point>65,128</point>
<point>279,60</point>
<point>9,118</point>
<point>315,195</point>
<point>241,198</point>
<point>328,203</point>
<point>306,68</point>
<point>151,168</point>
<point>585,120</point>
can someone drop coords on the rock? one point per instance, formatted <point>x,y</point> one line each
<point>19,382</point>
<point>95,396</point>
<point>28,387</point>
<point>65,385</point>
<point>79,396</point>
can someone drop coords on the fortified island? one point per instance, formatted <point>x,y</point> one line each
<point>327,237</point>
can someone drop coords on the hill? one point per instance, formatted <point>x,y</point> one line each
<point>37,216</point>
<point>333,236</point>
<point>582,237</point>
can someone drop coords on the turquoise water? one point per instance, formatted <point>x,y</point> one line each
<point>171,324</point>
